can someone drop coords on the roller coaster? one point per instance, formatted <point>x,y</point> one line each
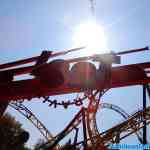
<point>52,76</point>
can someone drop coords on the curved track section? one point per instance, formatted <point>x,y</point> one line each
<point>22,109</point>
<point>114,108</point>
<point>92,124</point>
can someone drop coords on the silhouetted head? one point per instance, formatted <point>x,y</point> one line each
<point>24,136</point>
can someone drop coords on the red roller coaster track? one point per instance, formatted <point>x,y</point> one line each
<point>55,77</point>
<point>26,89</point>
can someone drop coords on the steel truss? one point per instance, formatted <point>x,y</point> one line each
<point>78,119</point>
<point>126,128</point>
<point>22,109</point>
<point>61,81</point>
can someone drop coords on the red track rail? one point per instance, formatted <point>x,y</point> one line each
<point>126,75</point>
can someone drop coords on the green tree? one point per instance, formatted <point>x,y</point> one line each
<point>39,143</point>
<point>68,146</point>
<point>43,145</point>
<point>12,135</point>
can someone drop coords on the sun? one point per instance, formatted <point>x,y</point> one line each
<point>92,36</point>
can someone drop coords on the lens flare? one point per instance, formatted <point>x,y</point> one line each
<point>92,36</point>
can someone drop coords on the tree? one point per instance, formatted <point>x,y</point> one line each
<point>39,143</point>
<point>12,135</point>
<point>68,146</point>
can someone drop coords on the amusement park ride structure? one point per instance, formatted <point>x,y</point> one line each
<point>77,75</point>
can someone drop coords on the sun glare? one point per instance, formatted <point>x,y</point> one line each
<point>92,36</point>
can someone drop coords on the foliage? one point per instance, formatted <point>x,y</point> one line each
<point>12,136</point>
<point>38,144</point>
<point>68,146</point>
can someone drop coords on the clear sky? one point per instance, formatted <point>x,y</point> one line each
<point>27,27</point>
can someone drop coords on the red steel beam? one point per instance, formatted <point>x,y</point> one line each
<point>33,59</point>
<point>26,70</point>
<point>127,75</point>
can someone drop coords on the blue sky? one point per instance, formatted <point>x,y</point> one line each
<point>27,27</point>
